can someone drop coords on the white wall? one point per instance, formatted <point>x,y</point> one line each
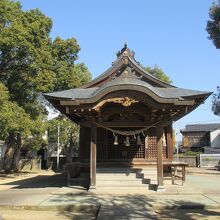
<point>2,150</point>
<point>215,138</point>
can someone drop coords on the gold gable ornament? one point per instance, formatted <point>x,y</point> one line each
<point>125,101</point>
<point>128,102</point>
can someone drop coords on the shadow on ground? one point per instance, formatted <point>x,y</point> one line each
<point>4,175</point>
<point>40,181</point>
<point>140,207</point>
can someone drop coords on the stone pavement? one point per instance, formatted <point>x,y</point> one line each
<point>45,193</point>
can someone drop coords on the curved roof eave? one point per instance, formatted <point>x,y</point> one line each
<point>119,84</point>
<point>97,95</point>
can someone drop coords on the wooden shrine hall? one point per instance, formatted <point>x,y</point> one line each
<point>125,116</point>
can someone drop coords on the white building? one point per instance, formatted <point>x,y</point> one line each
<point>215,138</point>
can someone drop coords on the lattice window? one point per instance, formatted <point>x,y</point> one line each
<point>107,150</point>
<point>120,151</point>
<point>152,147</point>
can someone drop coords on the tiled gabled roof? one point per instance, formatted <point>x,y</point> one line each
<point>201,127</point>
<point>167,93</point>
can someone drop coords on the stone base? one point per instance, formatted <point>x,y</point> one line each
<point>161,189</point>
<point>91,188</point>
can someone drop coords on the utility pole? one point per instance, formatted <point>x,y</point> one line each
<point>58,146</point>
<point>177,147</point>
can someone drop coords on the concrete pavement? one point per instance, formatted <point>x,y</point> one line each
<point>45,192</point>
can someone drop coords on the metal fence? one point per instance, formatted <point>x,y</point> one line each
<point>209,160</point>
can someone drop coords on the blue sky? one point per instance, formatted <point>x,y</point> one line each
<point>168,33</point>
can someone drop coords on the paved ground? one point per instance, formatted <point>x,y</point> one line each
<point>44,194</point>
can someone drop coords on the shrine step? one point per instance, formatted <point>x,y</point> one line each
<point>119,182</point>
<point>118,170</point>
<point>150,177</point>
<point>124,178</point>
<point>117,176</point>
<point>125,187</point>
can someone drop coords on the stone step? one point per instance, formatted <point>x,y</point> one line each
<point>150,176</point>
<point>149,173</point>
<point>125,178</point>
<point>114,175</point>
<point>146,170</point>
<point>122,189</point>
<point>117,171</point>
<point>128,181</point>
<point>141,186</point>
<point>118,176</point>
<point>120,181</point>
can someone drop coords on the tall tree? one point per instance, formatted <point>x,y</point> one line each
<point>213,29</point>
<point>15,124</point>
<point>25,54</point>
<point>216,102</point>
<point>67,74</point>
<point>159,73</point>
<point>213,25</point>
<point>30,62</point>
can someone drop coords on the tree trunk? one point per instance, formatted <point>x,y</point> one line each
<point>16,156</point>
<point>68,156</point>
<point>68,153</point>
<point>9,153</point>
<point>69,150</point>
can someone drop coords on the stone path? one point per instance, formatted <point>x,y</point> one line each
<point>199,198</point>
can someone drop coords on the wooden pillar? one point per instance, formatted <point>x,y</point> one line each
<point>81,138</point>
<point>93,156</point>
<point>169,142</point>
<point>159,157</point>
<point>146,147</point>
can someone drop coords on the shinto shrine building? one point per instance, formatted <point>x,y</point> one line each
<point>125,116</point>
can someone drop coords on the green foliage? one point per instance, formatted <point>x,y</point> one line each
<point>81,75</point>
<point>65,50</point>
<point>30,62</point>
<point>25,53</point>
<point>213,25</point>
<point>13,119</point>
<point>4,95</point>
<point>216,102</point>
<point>68,75</point>
<point>158,73</point>
<point>67,131</point>
<point>213,29</point>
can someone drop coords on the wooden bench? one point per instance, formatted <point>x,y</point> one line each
<point>178,170</point>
